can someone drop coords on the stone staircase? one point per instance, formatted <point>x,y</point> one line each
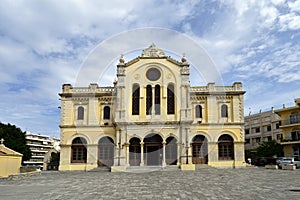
<point>143,169</point>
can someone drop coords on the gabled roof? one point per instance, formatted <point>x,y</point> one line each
<point>8,152</point>
<point>152,52</point>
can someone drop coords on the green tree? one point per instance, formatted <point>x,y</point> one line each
<point>269,149</point>
<point>15,139</point>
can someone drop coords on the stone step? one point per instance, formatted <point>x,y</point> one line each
<point>100,169</point>
<point>142,169</point>
<point>171,168</point>
<point>203,166</point>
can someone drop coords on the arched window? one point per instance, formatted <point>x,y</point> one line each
<point>80,113</point>
<point>157,100</point>
<point>79,152</point>
<point>198,111</point>
<point>106,112</point>
<point>170,99</point>
<point>135,99</point>
<point>148,99</point>
<point>224,111</point>
<point>226,147</point>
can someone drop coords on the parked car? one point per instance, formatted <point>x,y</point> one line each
<point>289,161</point>
<point>278,161</point>
<point>264,161</point>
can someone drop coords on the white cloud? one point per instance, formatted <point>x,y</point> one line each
<point>289,21</point>
<point>294,5</point>
<point>43,43</point>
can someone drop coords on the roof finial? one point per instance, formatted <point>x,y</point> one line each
<point>183,59</point>
<point>122,60</point>
<point>2,141</point>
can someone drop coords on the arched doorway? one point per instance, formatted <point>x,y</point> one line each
<point>106,149</point>
<point>134,152</point>
<point>226,147</point>
<point>171,151</point>
<point>200,150</point>
<point>153,149</point>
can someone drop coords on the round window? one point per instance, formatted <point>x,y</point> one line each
<point>153,74</point>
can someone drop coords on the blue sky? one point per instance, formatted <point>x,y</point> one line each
<point>44,43</point>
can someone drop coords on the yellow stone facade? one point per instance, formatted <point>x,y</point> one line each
<point>10,161</point>
<point>290,126</point>
<point>152,116</point>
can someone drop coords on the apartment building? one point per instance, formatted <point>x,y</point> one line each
<point>39,146</point>
<point>260,127</point>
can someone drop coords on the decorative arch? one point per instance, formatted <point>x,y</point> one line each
<point>226,147</point>
<point>75,135</point>
<point>172,135</point>
<point>207,136</point>
<point>106,149</point>
<point>227,132</point>
<point>152,132</point>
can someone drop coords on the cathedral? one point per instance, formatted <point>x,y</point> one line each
<point>152,116</point>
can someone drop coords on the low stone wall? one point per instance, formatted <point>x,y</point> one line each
<point>288,167</point>
<point>21,176</point>
<point>271,167</point>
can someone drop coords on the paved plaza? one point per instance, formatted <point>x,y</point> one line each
<point>248,183</point>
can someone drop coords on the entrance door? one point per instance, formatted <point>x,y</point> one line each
<point>134,152</point>
<point>153,149</point>
<point>106,152</point>
<point>200,150</point>
<point>153,154</point>
<point>171,151</point>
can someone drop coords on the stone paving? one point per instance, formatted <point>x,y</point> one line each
<point>247,183</point>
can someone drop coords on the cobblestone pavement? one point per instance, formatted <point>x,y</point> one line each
<point>248,183</point>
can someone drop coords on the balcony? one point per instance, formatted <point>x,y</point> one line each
<point>293,119</point>
<point>291,138</point>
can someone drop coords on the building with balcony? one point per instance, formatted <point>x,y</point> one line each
<point>39,146</point>
<point>260,127</point>
<point>152,116</point>
<point>290,125</point>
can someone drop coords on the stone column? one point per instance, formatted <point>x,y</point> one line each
<point>153,101</point>
<point>164,154</point>
<point>92,155</point>
<point>142,154</point>
<point>190,154</point>
<point>212,149</point>
<point>178,153</point>
<point>127,154</point>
